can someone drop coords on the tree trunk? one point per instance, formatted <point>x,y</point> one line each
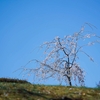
<point>69,79</point>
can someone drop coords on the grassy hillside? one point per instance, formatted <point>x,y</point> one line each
<point>14,89</point>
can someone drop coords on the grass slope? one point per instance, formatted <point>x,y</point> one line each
<point>18,90</point>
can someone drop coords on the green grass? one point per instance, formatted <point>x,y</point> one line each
<point>15,90</point>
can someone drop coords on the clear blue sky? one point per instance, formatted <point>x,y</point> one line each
<point>26,24</point>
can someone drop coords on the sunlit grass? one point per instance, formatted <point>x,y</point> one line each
<point>26,91</point>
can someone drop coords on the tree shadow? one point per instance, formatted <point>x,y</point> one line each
<point>67,98</point>
<point>25,92</point>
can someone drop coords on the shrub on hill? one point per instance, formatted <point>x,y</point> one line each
<point>13,80</point>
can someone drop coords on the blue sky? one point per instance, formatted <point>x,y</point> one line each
<point>26,24</point>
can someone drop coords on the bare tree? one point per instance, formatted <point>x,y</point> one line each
<point>98,85</point>
<point>61,57</point>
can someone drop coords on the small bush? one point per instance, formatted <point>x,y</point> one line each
<point>98,85</point>
<point>13,80</point>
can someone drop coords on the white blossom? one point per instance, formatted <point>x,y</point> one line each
<point>87,36</point>
<point>91,43</point>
